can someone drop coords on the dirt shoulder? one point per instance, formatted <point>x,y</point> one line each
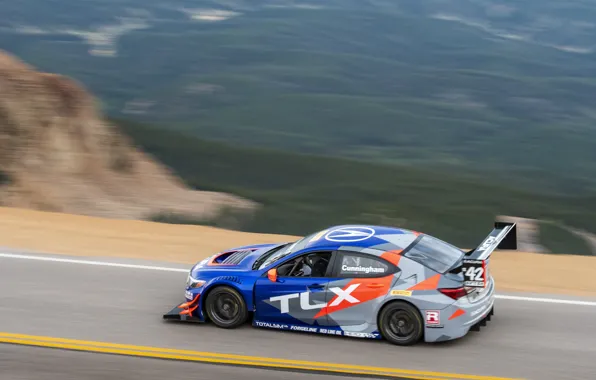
<point>77,235</point>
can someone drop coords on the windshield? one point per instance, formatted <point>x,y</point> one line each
<point>283,251</point>
<point>435,254</point>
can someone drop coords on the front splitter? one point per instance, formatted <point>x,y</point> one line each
<point>184,312</point>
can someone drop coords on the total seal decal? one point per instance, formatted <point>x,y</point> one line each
<point>317,330</point>
<point>272,325</point>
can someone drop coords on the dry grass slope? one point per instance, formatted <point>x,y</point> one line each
<point>99,237</point>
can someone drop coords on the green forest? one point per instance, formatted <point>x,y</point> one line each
<point>302,193</point>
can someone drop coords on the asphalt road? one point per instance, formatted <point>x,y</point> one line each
<point>33,363</point>
<point>532,340</point>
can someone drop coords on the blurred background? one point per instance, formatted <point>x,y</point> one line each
<point>435,115</point>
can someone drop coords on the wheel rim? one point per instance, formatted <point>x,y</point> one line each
<point>402,325</point>
<point>225,309</point>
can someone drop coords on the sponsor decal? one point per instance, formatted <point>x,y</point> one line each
<point>318,236</point>
<point>433,318</point>
<point>329,332</point>
<point>405,293</point>
<point>350,234</point>
<point>478,311</point>
<point>314,329</point>
<point>304,328</point>
<point>474,272</point>
<point>188,295</point>
<point>367,270</point>
<point>342,295</point>
<point>360,334</point>
<point>272,325</point>
<point>487,243</point>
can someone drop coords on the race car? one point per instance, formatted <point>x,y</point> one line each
<point>362,281</point>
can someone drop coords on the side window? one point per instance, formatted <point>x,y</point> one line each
<point>353,265</point>
<point>314,264</point>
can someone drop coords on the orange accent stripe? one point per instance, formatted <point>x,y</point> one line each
<point>367,290</point>
<point>187,304</point>
<point>392,256</point>
<point>213,263</point>
<point>457,313</point>
<point>430,283</point>
<point>188,311</point>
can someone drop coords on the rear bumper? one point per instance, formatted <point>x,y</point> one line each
<point>454,329</point>
<point>483,321</point>
<point>462,317</point>
<point>186,311</point>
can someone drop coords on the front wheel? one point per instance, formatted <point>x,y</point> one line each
<point>226,308</point>
<point>401,324</point>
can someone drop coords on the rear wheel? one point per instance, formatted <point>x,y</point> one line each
<point>226,308</point>
<point>401,324</point>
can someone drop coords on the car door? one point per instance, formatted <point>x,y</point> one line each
<point>295,298</point>
<point>360,283</point>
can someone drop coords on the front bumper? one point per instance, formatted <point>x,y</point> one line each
<point>186,311</point>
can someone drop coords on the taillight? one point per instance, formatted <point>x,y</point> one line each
<point>455,293</point>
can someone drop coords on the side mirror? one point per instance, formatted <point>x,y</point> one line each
<point>272,275</point>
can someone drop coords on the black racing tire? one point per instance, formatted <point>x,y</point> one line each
<point>225,307</point>
<point>401,324</point>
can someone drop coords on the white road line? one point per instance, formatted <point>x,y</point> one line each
<point>169,269</point>
<point>547,300</point>
<point>90,262</point>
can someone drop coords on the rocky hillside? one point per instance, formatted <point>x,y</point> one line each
<point>58,154</point>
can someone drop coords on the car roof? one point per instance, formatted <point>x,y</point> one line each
<point>357,237</point>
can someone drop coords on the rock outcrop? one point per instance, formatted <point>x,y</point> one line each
<point>58,154</point>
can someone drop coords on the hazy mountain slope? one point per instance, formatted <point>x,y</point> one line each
<point>478,84</point>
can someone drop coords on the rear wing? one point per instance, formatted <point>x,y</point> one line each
<point>474,263</point>
<point>503,236</point>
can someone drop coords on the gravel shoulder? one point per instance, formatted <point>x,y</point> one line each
<point>78,235</point>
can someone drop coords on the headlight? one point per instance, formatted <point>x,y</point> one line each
<point>197,284</point>
<point>192,283</point>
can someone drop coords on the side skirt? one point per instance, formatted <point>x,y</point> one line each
<point>325,330</point>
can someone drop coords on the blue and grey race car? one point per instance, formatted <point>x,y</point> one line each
<point>352,280</point>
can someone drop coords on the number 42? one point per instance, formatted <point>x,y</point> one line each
<point>475,274</point>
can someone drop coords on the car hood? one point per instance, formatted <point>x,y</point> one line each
<point>234,259</point>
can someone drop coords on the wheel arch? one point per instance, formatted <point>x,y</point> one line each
<point>215,285</point>
<point>400,300</point>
